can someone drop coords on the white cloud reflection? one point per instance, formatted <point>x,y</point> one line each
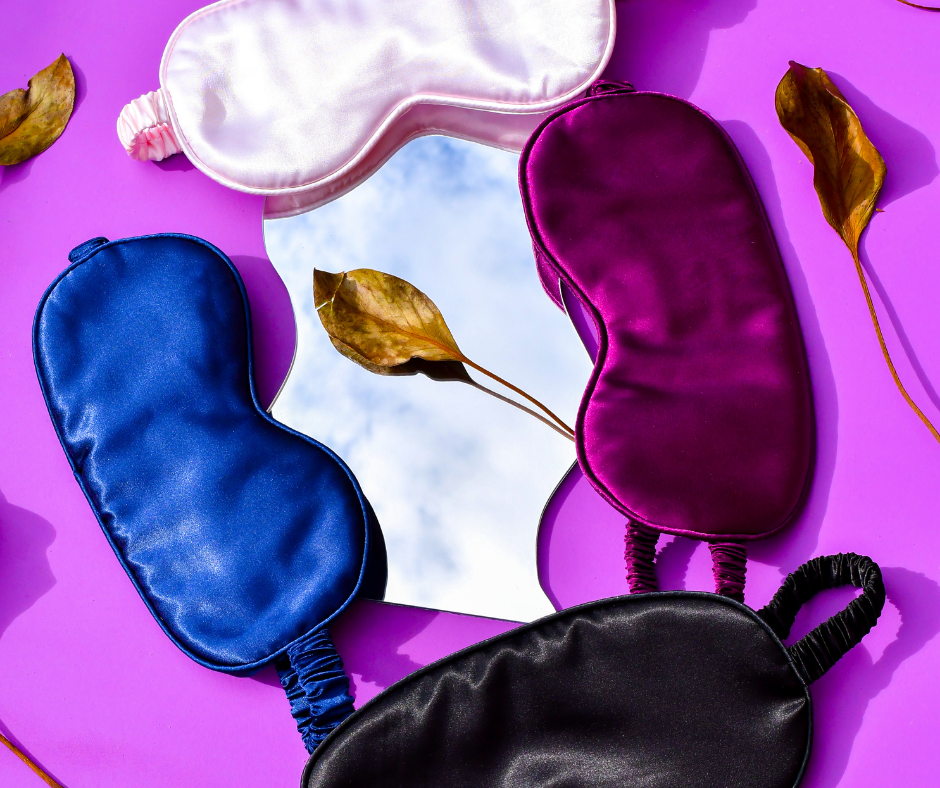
<point>458,479</point>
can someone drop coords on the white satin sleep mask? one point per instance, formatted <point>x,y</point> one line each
<point>301,100</point>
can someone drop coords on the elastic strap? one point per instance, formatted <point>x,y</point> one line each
<point>814,654</point>
<point>729,568</point>
<point>729,562</point>
<point>640,555</point>
<point>610,86</point>
<point>312,675</point>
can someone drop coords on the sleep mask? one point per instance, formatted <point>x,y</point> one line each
<point>698,417</point>
<point>242,537</point>
<point>301,101</point>
<point>664,690</point>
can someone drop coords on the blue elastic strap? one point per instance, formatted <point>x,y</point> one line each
<point>317,686</point>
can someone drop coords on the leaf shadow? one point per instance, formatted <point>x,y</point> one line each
<point>25,575</point>
<point>895,320</point>
<point>910,158</point>
<point>845,692</point>
<point>14,173</point>
<point>81,86</point>
<point>9,734</point>
<point>661,44</point>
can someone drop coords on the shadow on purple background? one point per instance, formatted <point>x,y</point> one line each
<point>272,322</point>
<point>390,641</point>
<point>912,166</point>
<point>14,174</point>
<point>661,44</point>
<point>24,575</point>
<point>796,543</point>
<point>857,679</point>
<point>25,750</point>
<point>24,568</point>
<point>912,161</point>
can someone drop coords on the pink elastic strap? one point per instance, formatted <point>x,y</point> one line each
<point>144,128</point>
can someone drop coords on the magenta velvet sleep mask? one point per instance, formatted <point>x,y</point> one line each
<point>301,101</point>
<point>698,418</point>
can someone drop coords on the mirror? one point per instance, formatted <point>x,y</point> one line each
<point>457,478</point>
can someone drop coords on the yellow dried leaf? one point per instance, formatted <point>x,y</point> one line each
<point>849,171</point>
<point>388,326</point>
<point>385,320</point>
<point>32,119</point>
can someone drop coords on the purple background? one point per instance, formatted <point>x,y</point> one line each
<point>95,691</point>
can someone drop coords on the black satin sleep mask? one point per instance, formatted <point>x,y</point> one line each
<point>243,537</point>
<point>660,690</point>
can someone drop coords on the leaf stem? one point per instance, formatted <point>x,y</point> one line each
<point>884,348</point>
<point>922,7</point>
<point>531,412</point>
<point>518,391</point>
<point>26,759</point>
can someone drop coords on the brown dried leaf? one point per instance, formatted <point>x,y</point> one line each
<point>388,326</point>
<point>32,119</point>
<point>848,170</point>
<point>921,7</point>
<point>13,108</point>
<point>436,370</point>
<point>848,173</point>
<point>382,319</point>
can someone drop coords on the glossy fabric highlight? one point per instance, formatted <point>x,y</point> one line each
<point>698,418</point>
<point>299,101</point>
<point>241,535</point>
<point>674,690</point>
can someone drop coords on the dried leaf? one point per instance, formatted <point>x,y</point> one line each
<point>849,171</point>
<point>28,761</point>
<point>436,370</point>
<point>388,326</point>
<point>385,320</point>
<point>921,7</point>
<point>32,119</point>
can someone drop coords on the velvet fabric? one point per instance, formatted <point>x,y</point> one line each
<point>662,690</point>
<point>698,418</point>
<point>242,537</point>
<point>300,101</point>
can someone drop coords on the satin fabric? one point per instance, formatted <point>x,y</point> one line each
<point>242,536</point>
<point>673,690</point>
<point>698,418</point>
<point>312,96</point>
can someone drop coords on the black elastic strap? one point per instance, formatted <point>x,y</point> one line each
<point>818,651</point>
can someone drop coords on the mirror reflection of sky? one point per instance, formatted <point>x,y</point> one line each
<point>458,479</point>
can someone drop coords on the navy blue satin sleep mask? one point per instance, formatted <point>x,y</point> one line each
<point>243,537</point>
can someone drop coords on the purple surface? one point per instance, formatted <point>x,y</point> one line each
<point>95,691</point>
